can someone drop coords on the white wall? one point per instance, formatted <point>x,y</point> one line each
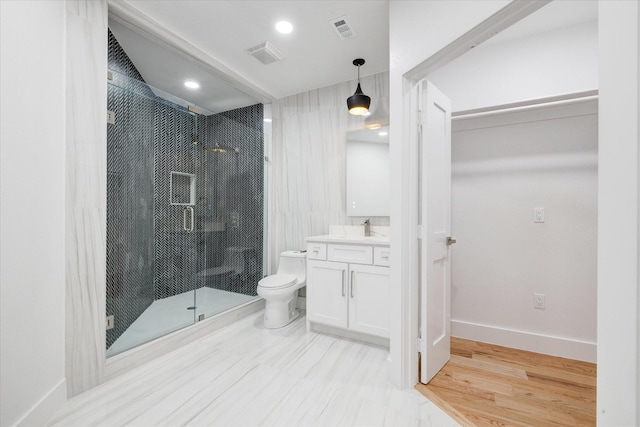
<point>619,215</point>
<point>492,299</point>
<point>417,30</point>
<point>618,188</point>
<point>502,167</point>
<point>32,164</point>
<point>555,62</point>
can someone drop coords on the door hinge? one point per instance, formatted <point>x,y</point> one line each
<point>419,231</point>
<point>421,344</point>
<point>110,323</point>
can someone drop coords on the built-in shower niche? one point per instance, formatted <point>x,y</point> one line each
<point>182,188</point>
<point>169,200</point>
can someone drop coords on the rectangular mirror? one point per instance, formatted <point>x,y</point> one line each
<point>368,176</point>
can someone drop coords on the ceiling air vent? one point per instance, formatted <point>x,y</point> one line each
<point>266,53</point>
<point>343,29</point>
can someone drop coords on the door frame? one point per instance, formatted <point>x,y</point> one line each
<point>404,331</point>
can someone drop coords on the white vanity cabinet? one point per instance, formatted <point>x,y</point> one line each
<point>369,299</point>
<point>327,286</point>
<point>348,287</point>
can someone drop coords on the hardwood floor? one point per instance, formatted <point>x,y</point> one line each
<point>489,385</point>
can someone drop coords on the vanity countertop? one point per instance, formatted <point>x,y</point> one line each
<point>350,239</point>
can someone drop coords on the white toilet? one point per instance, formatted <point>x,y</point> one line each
<point>280,290</point>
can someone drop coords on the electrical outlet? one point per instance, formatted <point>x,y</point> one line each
<point>538,214</point>
<point>538,301</point>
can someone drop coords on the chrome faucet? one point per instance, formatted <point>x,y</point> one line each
<point>367,227</point>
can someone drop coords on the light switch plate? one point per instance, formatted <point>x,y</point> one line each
<point>538,214</point>
<point>539,301</point>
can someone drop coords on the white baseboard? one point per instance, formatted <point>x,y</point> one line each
<point>522,340</point>
<point>345,333</point>
<point>42,412</point>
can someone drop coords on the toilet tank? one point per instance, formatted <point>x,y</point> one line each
<point>293,262</point>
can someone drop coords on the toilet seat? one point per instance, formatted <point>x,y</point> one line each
<point>277,281</point>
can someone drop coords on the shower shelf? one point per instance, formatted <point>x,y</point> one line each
<point>182,187</point>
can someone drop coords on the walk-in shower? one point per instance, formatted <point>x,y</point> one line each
<point>185,209</point>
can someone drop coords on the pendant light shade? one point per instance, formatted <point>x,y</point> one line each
<point>358,103</point>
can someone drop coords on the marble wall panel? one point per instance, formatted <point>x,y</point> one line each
<point>86,97</point>
<point>308,161</point>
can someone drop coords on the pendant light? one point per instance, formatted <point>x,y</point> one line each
<point>358,103</point>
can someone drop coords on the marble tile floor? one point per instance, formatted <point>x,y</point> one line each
<point>246,375</point>
<point>166,315</point>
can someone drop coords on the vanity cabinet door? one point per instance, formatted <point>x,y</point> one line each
<point>369,299</point>
<point>327,290</point>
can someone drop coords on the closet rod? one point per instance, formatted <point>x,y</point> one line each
<point>527,105</point>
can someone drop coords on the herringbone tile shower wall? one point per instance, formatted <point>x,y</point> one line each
<point>149,255</point>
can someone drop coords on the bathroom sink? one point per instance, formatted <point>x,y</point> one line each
<point>353,234</point>
<point>356,237</point>
<point>349,238</point>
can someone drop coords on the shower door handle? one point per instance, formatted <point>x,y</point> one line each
<point>187,228</point>
<point>184,219</point>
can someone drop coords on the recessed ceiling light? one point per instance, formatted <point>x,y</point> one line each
<point>191,84</point>
<point>383,133</point>
<point>284,27</point>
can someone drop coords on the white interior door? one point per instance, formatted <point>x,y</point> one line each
<point>435,228</point>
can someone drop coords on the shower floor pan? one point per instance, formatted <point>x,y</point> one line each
<point>170,314</point>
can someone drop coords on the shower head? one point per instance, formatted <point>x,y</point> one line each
<point>217,148</point>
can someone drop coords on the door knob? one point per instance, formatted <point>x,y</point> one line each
<point>450,241</point>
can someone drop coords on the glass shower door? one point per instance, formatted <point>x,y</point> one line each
<point>230,208</point>
<point>185,208</point>
<point>151,211</point>
<point>175,208</point>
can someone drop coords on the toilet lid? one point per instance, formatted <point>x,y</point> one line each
<point>277,281</point>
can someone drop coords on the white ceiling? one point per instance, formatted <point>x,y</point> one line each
<point>166,70</point>
<point>555,15</point>
<point>314,55</point>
